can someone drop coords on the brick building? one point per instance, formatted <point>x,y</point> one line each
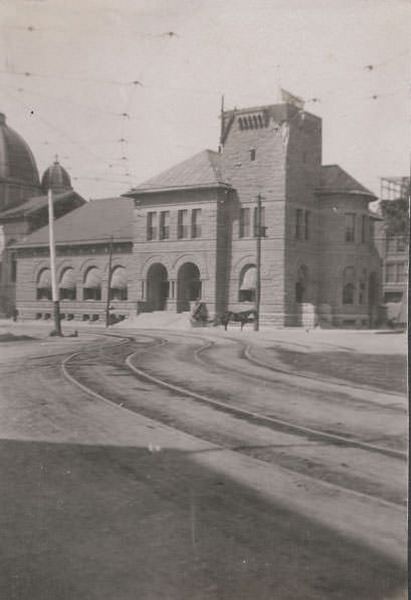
<point>192,235</point>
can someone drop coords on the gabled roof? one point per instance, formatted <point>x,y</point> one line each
<point>33,205</point>
<point>93,222</point>
<point>200,171</point>
<point>334,180</point>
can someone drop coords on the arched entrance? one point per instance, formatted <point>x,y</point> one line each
<point>157,287</point>
<point>188,286</point>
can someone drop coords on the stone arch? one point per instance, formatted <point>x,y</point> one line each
<point>188,285</point>
<point>151,260</point>
<point>241,263</point>
<point>190,257</point>
<point>157,283</point>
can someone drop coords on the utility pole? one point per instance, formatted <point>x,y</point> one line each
<point>54,288</point>
<point>258,264</point>
<point>110,260</point>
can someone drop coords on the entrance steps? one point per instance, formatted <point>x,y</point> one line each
<point>159,319</point>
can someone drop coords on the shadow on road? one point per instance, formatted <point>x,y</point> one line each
<point>123,523</point>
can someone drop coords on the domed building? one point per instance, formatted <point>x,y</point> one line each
<point>56,178</point>
<point>23,203</point>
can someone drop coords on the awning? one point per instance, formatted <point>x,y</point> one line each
<point>249,279</point>
<point>119,278</point>
<point>68,280</point>
<point>93,278</point>
<point>44,280</point>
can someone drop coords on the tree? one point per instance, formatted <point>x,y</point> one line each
<point>396,217</point>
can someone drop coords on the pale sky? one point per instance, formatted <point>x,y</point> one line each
<point>81,57</point>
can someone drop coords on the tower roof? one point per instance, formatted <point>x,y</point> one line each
<point>17,162</point>
<point>56,178</point>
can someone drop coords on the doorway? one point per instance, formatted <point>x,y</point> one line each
<point>188,286</point>
<point>157,287</point>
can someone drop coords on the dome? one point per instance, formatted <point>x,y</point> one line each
<point>56,178</point>
<point>16,159</point>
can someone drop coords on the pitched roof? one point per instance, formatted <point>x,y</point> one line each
<point>93,222</point>
<point>32,205</point>
<point>335,180</point>
<point>200,171</point>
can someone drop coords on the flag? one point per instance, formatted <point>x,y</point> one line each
<point>291,99</point>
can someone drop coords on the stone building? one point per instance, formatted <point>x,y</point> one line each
<point>23,204</point>
<point>192,234</point>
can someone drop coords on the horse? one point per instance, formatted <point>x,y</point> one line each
<point>242,317</point>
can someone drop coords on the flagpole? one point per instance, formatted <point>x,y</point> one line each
<point>54,288</point>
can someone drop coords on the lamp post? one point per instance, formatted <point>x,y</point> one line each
<point>258,233</point>
<point>54,288</point>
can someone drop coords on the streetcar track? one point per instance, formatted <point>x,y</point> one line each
<point>250,416</point>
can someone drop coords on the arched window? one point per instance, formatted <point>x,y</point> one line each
<point>301,284</point>
<point>362,287</point>
<point>67,284</point>
<point>248,281</point>
<point>348,285</point>
<point>43,285</point>
<point>118,284</point>
<point>92,284</point>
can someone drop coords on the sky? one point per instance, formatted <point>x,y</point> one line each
<point>121,90</point>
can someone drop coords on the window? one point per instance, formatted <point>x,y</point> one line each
<point>390,271</point>
<point>244,223</point>
<point>262,221</point>
<point>363,229</point>
<point>349,227</point>
<point>301,284</point>
<point>13,268</point>
<point>252,154</point>
<point>401,272</point>
<point>401,244</point>
<point>362,287</point>
<point>151,225</point>
<point>248,281</point>
<point>164,225</point>
<point>182,227</point>
<point>118,284</point>
<point>393,296</point>
<point>67,285</point>
<point>307,225</point>
<point>348,285</point>
<point>196,223</point>
<point>298,223</point>
<point>43,287</point>
<point>92,284</point>
<point>389,244</point>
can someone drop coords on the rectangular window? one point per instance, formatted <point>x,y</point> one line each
<point>252,154</point>
<point>262,222</point>
<point>401,245</point>
<point>164,225</point>
<point>363,228</point>
<point>151,225</point>
<point>196,223</point>
<point>298,223</point>
<point>349,227</point>
<point>389,244</point>
<point>307,225</point>
<point>401,272</point>
<point>13,274</point>
<point>244,223</point>
<point>182,224</point>
<point>390,272</point>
